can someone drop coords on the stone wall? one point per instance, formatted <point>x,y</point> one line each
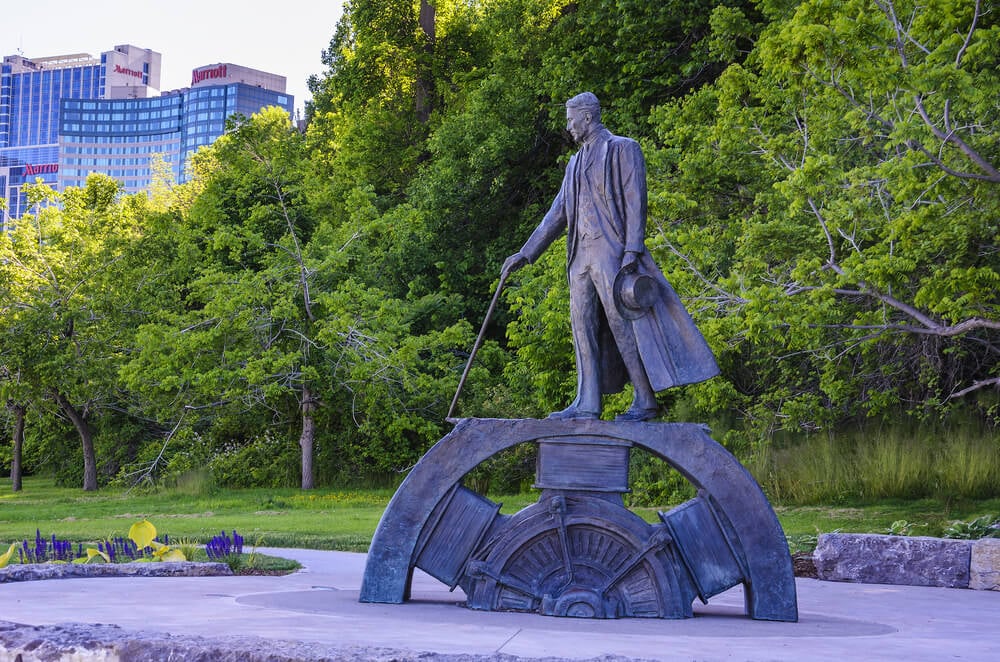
<point>32,571</point>
<point>913,561</point>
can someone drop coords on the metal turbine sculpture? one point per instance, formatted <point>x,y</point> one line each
<point>578,551</point>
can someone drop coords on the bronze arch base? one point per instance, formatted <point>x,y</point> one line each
<point>578,551</point>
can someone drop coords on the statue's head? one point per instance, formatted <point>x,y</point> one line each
<point>583,115</point>
<point>587,102</point>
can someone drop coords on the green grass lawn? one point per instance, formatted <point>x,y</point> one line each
<point>346,520</point>
<point>321,519</point>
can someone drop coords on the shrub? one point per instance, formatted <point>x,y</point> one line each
<point>654,482</point>
<point>268,460</point>
<point>986,526</point>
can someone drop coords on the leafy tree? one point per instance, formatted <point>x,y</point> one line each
<point>65,312</point>
<point>823,194</point>
<point>634,55</point>
<point>243,334</point>
<point>493,157</point>
<point>834,202</point>
<point>395,383</point>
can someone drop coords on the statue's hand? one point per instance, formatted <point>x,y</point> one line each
<point>630,262</point>
<point>513,263</point>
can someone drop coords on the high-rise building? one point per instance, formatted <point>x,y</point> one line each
<point>124,137</point>
<point>62,118</point>
<point>119,137</point>
<point>31,90</point>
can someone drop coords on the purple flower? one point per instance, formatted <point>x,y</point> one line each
<point>221,547</point>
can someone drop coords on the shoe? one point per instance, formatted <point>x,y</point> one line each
<point>638,414</point>
<point>573,413</point>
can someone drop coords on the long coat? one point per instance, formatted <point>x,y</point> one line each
<point>672,350</point>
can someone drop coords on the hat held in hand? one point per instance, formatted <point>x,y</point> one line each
<point>635,293</point>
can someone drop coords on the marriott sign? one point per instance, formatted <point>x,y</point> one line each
<point>199,75</point>
<point>40,169</point>
<point>119,69</point>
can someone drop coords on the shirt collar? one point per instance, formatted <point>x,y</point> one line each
<point>594,137</point>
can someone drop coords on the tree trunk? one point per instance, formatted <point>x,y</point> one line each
<point>86,438</point>
<point>307,437</point>
<point>425,69</point>
<point>15,463</point>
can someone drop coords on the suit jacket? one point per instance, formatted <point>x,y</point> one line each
<point>671,348</point>
<point>623,204</point>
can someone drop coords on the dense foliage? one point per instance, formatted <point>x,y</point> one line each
<point>833,200</point>
<point>823,178</point>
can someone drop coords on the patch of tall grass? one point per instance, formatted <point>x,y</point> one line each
<point>899,462</point>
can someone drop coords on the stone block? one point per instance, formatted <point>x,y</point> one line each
<point>34,571</point>
<point>879,559</point>
<point>984,565</point>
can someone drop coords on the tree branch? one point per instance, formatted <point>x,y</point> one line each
<point>866,291</point>
<point>705,281</point>
<point>983,383</point>
<point>826,231</point>
<point>147,473</point>
<point>993,175</point>
<point>968,37</point>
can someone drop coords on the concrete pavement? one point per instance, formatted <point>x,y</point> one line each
<point>313,614</point>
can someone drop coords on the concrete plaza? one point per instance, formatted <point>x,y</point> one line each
<point>314,614</point>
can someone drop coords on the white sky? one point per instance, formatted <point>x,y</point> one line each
<point>270,35</point>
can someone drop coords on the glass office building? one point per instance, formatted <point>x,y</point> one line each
<point>120,138</point>
<point>31,90</point>
<point>65,117</point>
<point>124,138</point>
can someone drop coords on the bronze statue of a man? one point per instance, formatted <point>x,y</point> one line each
<point>627,320</point>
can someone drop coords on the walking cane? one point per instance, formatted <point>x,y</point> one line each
<point>475,347</point>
